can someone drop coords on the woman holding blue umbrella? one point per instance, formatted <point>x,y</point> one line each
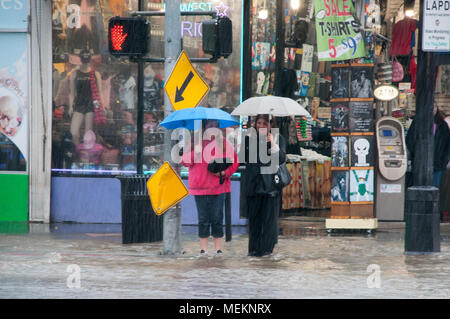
<point>211,162</point>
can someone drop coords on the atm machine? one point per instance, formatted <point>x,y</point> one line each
<point>392,163</point>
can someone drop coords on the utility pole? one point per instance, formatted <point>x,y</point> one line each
<point>172,49</point>
<point>422,232</point>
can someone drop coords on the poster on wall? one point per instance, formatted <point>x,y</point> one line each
<point>303,82</point>
<point>361,82</point>
<point>260,55</point>
<point>307,57</point>
<point>361,116</point>
<point>361,185</point>
<point>340,79</point>
<point>338,33</point>
<point>339,116</point>
<point>13,90</point>
<point>340,186</point>
<point>339,151</point>
<point>362,150</point>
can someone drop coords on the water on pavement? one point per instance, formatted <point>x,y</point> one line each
<point>71,262</point>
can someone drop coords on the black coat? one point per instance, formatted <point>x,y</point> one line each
<point>251,179</point>
<point>441,145</point>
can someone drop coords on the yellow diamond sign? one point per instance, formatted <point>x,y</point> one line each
<point>184,87</point>
<point>165,189</point>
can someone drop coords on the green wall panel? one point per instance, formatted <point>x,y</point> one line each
<point>13,197</point>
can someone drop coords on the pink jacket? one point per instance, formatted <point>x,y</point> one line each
<point>201,181</point>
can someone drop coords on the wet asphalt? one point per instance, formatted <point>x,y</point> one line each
<point>68,261</point>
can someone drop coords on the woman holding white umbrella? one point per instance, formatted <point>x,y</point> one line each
<point>260,203</point>
<point>263,202</point>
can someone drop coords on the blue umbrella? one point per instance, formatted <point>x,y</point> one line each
<point>190,118</point>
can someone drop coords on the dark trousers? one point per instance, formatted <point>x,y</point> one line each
<point>263,212</point>
<point>210,215</point>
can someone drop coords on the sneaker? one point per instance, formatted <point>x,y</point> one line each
<point>219,253</point>
<point>203,253</point>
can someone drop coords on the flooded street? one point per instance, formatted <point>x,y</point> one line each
<point>69,261</point>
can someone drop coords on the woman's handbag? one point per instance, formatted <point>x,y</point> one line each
<point>217,166</point>
<point>274,183</point>
<point>397,70</point>
<point>99,112</point>
<point>283,176</point>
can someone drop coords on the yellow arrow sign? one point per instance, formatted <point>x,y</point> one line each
<point>165,189</point>
<point>184,87</point>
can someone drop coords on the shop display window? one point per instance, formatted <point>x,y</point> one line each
<point>95,94</point>
<point>11,158</point>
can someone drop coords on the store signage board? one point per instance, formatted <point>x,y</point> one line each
<point>436,26</point>
<point>338,33</point>
<point>14,15</point>
<point>386,93</point>
<point>184,87</point>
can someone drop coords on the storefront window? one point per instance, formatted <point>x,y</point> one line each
<point>87,78</point>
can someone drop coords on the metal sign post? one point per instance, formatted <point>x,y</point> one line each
<point>172,48</point>
<point>422,232</point>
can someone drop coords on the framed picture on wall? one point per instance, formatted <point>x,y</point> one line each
<point>339,151</point>
<point>361,85</point>
<point>340,78</point>
<point>362,150</point>
<point>361,116</point>
<point>339,116</point>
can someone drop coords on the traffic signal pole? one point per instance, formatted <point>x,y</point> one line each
<point>172,49</point>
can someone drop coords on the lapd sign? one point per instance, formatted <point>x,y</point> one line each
<point>436,26</point>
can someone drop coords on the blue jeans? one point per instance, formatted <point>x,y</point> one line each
<point>210,215</point>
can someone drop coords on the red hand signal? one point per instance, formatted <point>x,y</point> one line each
<point>117,37</point>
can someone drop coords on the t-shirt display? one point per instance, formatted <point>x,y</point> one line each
<point>362,150</point>
<point>339,116</point>
<point>339,151</point>
<point>340,81</point>
<point>361,82</point>
<point>361,116</point>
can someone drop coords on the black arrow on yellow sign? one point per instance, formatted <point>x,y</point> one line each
<point>179,92</point>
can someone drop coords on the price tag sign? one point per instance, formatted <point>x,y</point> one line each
<point>338,33</point>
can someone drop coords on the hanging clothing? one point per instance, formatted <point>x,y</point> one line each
<point>402,36</point>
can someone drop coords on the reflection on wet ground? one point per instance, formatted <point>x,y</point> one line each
<point>308,262</point>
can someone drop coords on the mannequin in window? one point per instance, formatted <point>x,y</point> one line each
<point>81,102</point>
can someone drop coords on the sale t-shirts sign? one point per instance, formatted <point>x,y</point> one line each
<point>338,33</point>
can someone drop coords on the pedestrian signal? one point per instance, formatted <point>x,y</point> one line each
<point>217,37</point>
<point>128,36</point>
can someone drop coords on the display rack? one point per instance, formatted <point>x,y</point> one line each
<point>352,151</point>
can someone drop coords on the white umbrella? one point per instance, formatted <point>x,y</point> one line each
<point>273,105</point>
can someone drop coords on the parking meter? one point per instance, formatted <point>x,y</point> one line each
<point>392,164</point>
